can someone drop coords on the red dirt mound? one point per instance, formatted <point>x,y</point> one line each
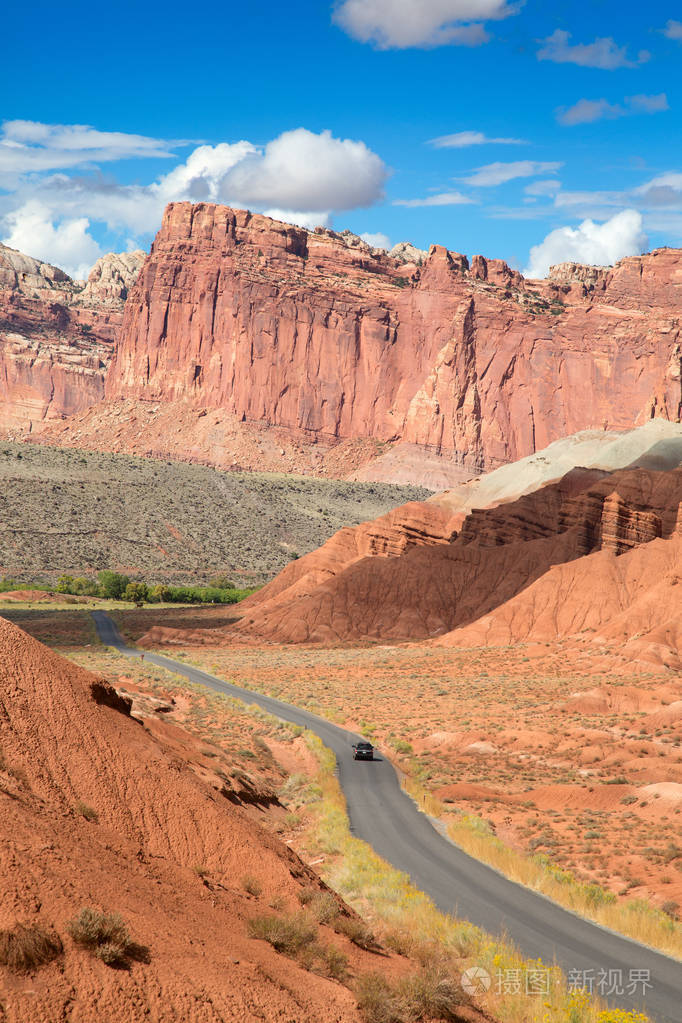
<point>639,607</point>
<point>420,572</point>
<point>165,850</point>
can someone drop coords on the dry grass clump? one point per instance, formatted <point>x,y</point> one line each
<point>24,948</point>
<point>429,994</point>
<point>287,934</point>
<point>356,931</point>
<point>325,908</point>
<point>86,811</point>
<point>334,963</point>
<point>106,937</point>
<point>252,885</point>
<point>296,936</point>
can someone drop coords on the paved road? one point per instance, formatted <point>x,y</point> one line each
<point>383,815</point>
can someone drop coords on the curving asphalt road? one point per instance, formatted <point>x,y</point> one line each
<point>384,816</point>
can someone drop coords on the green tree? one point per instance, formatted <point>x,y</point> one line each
<point>65,584</point>
<point>160,594</point>
<point>112,584</point>
<point>136,592</point>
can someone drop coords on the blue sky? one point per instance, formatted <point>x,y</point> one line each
<point>557,126</point>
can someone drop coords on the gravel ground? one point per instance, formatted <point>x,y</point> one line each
<point>81,511</point>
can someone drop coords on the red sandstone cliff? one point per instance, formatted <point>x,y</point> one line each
<point>57,335</point>
<point>322,335</point>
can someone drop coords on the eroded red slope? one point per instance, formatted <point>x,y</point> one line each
<point>65,738</point>
<point>419,572</point>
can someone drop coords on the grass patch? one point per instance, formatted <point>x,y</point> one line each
<point>106,937</point>
<point>355,930</point>
<point>252,885</point>
<point>24,948</point>
<point>287,934</point>
<point>295,935</point>
<point>636,918</point>
<point>86,811</point>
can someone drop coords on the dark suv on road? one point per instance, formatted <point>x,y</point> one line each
<point>363,751</point>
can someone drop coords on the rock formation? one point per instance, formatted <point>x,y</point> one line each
<point>324,336</point>
<point>439,365</point>
<point>56,335</point>
<point>444,579</point>
<point>488,558</point>
<point>111,278</point>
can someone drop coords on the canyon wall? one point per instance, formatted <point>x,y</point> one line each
<point>57,335</point>
<point>320,334</point>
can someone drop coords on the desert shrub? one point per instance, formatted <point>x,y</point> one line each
<point>252,885</point>
<point>324,907</point>
<point>24,948</point>
<point>621,1016</point>
<point>307,894</point>
<point>287,934</point>
<point>334,963</point>
<point>430,993</point>
<point>401,746</point>
<point>671,908</point>
<point>86,811</point>
<point>105,936</point>
<point>355,930</point>
<point>377,1000</point>
<point>222,582</point>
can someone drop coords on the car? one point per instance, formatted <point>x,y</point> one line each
<point>363,750</point>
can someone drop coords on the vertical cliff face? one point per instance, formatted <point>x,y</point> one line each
<point>57,335</point>
<point>321,334</point>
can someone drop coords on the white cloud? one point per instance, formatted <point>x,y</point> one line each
<point>663,191</point>
<point>462,139</point>
<point>33,146</point>
<point>673,30</point>
<point>603,53</point>
<point>586,111</point>
<point>591,243</point>
<point>300,170</point>
<point>440,199</point>
<point>301,218</point>
<point>66,244</point>
<point>498,173</point>
<point>399,24</point>
<point>548,186</point>
<point>648,104</point>
<point>202,175</point>
<point>377,240</point>
<point>299,177</point>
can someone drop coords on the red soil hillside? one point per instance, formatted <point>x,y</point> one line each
<point>639,605</point>
<point>66,738</point>
<point>420,572</point>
